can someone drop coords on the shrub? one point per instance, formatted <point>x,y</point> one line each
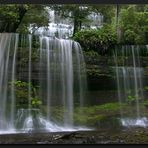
<point>36,102</point>
<point>129,36</point>
<point>21,94</point>
<point>133,25</point>
<point>99,40</point>
<point>146,103</point>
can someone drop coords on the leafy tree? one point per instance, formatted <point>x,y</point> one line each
<point>141,8</point>
<point>13,16</point>
<point>133,24</point>
<point>99,40</point>
<point>37,16</point>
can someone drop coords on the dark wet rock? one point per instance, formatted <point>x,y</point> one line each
<point>102,136</point>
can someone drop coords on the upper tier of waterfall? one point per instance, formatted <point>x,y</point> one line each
<point>63,27</point>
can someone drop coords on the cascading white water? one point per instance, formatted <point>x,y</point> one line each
<point>63,27</point>
<point>59,27</point>
<point>8,50</point>
<point>13,100</point>
<point>129,75</point>
<point>29,72</point>
<point>61,75</point>
<point>96,20</point>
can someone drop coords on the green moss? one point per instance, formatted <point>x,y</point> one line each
<point>93,114</point>
<point>87,118</point>
<point>94,119</point>
<point>109,107</point>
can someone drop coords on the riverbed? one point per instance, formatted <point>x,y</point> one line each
<point>134,135</point>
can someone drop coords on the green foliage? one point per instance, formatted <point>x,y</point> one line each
<point>22,97</point>
<point>146,103</point>
<point>131,99</point>
<point>129,36</point>
<point>36,15</point>
<point>91,54</point>
<point>95,114</point>
<point>23,57</point>
<point>21,93</point>
<point>24,60</point>
<point>133,24</point>
<point>112,107</point>
<point>36,102</point>
<point>18,17</point>
<point>95,72</point>
<point>11,16</point>
<point>100,40</point>
<point>9,12</point>
<point>146,88</point>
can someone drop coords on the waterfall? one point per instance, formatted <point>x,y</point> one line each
<point>59,74</point>
<point>63,27</point>
<point>65,64</point>
<point>129,76</point>
<point>13,80</point>
<point>29,72</point>
<point>58,26</point>
<point>8,44</point>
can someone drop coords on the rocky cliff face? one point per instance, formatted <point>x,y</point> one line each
<point>101,77</point>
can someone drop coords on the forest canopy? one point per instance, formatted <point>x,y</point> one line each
<point>130,22</point>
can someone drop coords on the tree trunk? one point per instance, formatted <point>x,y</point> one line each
<point>76,26</point>
<point>22,12</point>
